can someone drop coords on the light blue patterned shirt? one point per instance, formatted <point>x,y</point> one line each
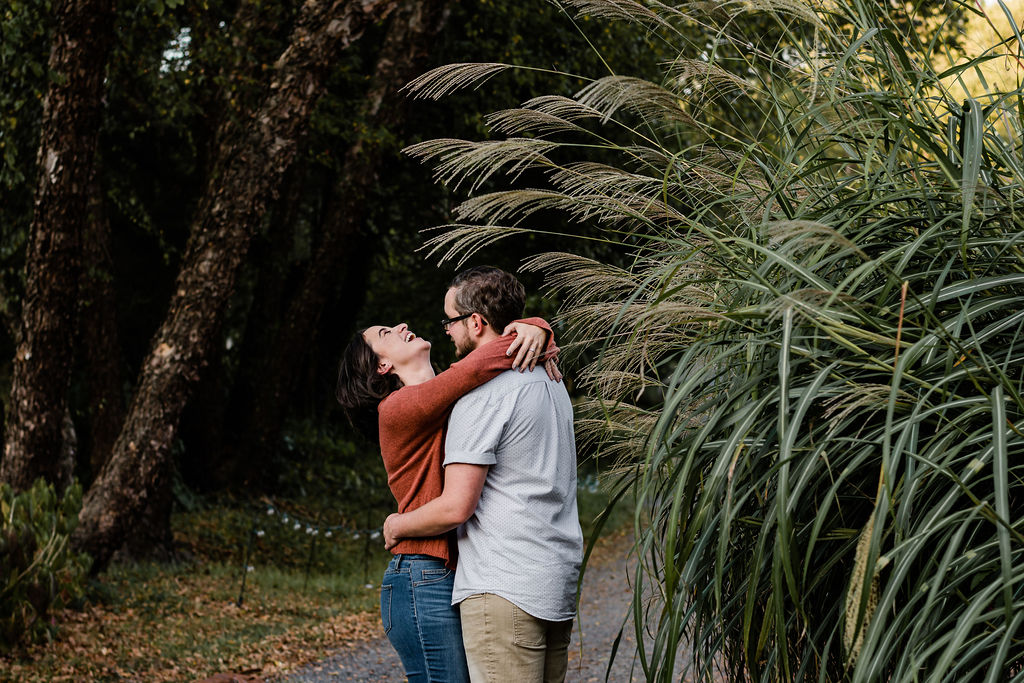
<point>524,541</point>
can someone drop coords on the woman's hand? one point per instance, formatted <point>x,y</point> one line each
<point>529,344</point>
<point>551,366</point>
<point>390,540</point>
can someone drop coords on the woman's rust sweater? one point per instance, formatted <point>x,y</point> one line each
<point>412,423</point>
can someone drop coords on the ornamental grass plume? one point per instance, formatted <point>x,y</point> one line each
<point>800,323</point>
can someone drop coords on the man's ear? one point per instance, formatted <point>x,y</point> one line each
<point>479,324</point>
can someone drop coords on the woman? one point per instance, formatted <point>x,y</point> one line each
<point>388,388</point>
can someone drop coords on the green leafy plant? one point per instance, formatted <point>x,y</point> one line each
<point>808,355</point>
<point>39,574</point>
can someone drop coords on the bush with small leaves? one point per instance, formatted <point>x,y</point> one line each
<point>39,573</point>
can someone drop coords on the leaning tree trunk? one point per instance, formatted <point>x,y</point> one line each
<point>249,165</point>
<point>239,73</point>
<point>70,128</point>
<point>268,381</point>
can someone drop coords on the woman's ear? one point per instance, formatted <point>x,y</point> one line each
<point>383,367</point>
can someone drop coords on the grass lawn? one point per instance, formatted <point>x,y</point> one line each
<point>180,622</point>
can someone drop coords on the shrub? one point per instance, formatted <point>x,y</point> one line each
<point>38,572</point>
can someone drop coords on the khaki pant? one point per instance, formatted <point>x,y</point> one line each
<point>504,643</point>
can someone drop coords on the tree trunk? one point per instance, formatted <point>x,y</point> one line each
<point>150,537</point>
<point>414,25</point>
<point>42,364</point>
<point>249,166</point>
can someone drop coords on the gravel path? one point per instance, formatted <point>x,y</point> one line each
<point>605,603</point>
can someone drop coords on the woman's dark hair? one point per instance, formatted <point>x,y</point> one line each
<point>360,387</point>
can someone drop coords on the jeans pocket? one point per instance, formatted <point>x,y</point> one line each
<point>385,608</point>
<point>429,576</point>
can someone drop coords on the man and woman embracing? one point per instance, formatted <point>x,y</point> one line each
<point>485,448</point>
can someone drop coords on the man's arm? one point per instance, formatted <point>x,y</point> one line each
<point>457,503</point>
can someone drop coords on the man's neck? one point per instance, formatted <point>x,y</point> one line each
<point>487,337</point>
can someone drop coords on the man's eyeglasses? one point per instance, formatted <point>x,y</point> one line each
<point>446,322</point>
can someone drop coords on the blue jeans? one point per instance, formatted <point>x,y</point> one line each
<point>418,617</point>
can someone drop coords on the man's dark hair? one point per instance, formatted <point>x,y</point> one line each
<point>360,387</point>
<point>496,295</point>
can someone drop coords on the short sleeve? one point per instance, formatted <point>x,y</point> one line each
<point>475,428</point>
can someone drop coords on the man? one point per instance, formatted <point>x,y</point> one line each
<point>510,487</point>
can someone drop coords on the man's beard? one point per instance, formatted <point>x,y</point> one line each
<point>462,348</point>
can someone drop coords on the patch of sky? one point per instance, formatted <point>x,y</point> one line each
<point>176,55</point>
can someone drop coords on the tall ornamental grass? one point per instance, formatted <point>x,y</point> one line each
<point>806,346</point>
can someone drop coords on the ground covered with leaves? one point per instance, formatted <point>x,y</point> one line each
<point>183,621</point>
<point>305,596</point>
<point>187,628</point>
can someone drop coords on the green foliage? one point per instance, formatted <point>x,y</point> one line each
<point>24,32</point>
<point>599,510</point>
<point>39,573</point>
<point>808,354</point>
<point>327,465</point>
<point>25,27</point>
<point>277,536</point>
